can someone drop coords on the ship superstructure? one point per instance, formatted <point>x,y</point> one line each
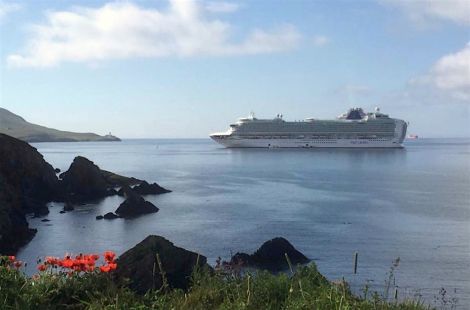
<point>354,128</point>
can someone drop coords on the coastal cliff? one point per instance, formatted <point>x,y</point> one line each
<point>17,127</point>
<point>27,183</point>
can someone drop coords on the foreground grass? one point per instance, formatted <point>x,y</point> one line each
<point>306,289</point>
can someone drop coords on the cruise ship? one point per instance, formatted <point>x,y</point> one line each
<point>352,129</point>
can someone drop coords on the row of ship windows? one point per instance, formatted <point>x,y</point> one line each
<point>324,132</point>
<point>348,127</point>
<point>317,138</point>
<point>333,123</point>
<point>344,127</point>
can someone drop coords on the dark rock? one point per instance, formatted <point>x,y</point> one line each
<point>41,211</point>
<point>68,207</point>
<point>57,170</point>
<point>271,256</point>
<point>137,265</point>
<point>99,217</point>
<point>145,188</point>
<point>45,220</point>
<point>111,192</point>
<point>83,181</point>
<point>242,259</point>
<point>126,191</point>
<point>117,180</point>
<point>134,206</point>
<point>62,212</point>
<point>110,216</point>
<point>27,183</point>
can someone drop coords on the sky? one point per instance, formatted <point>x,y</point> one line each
<point>185,69</point>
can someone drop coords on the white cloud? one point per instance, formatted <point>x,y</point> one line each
<point>450,75</point>
<point>120,30</point>
<point>320,40</point>
<point>424,11</point>
<point>7,8</point>
<point>222,7</point>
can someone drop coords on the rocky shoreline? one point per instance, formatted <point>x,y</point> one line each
<point>28,183</point>
<point>136,267</point>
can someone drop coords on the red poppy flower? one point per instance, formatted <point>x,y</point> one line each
<point>104,268</point>
<point>12,258</point>
<point>42,267</point>
<point>112,266</point>
<point>51,260</point>
<point>67,263</point>
<point>17,264</point>
<point>109,256</point>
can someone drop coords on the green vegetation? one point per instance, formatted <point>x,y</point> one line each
<point>17,127</point>
<point>305,289</point>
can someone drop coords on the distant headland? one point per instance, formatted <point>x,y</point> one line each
<point>17,127</point>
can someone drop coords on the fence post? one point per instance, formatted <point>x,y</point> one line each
<point>355,262</point>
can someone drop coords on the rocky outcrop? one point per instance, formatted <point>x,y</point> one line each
<point>144,188</point>
<point>109,216</point>
<point>126,191</point>
<point>27,183</point>
<point>84,181</point>
<point>134,206</point>
<point>116,180</point>
<point>271,256</point>
<point>140,267</point>
<point>68,207</point>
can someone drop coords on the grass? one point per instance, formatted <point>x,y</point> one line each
<point>304,289</point>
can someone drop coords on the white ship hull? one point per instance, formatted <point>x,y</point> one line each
<point>306,143</point>
<point>354,129</point>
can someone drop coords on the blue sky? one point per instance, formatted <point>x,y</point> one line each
<point>181,69</point>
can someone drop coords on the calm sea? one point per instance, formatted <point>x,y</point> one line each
<point>412,203</point>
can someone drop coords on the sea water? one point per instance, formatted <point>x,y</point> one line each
<point>412,203</point>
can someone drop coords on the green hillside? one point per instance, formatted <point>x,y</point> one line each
<point>17,127</point>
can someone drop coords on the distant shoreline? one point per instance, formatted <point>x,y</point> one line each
<point>17,127</point>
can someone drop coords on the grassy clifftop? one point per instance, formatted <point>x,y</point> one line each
<point>17,127</point>
<point>305,289</point>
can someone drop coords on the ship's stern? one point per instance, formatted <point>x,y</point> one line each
<point>400,130</point>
